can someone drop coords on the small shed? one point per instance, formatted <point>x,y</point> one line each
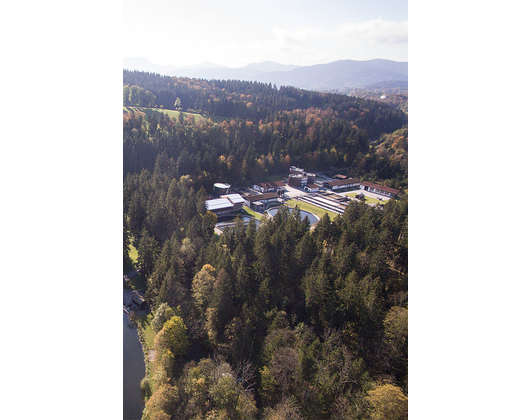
<point>139,301</point>
<point>311,188</point>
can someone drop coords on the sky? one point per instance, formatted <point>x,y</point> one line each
<point>239,32</point>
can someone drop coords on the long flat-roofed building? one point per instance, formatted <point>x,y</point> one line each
<point>271,186</point>
<point>220,206</point>
<point>343,183</point>
<point>236,200</point>
<point>227,204</point>
<point>258,201</point>
<point>379,189</point>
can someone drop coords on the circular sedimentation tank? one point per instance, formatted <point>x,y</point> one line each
<point>303,213</point>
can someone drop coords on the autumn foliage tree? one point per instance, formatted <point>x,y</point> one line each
<point>387,402</point>
<point>173,336</point>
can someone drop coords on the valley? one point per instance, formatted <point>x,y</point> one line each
<point>285,316</point>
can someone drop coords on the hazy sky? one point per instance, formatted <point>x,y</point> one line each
<point>239,32</point>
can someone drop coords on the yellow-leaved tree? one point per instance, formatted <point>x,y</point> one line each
<point>172,336</point>
<point>202,287</point>
<point>387,402</point>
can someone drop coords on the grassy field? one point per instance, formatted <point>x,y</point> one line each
<point>150,111</point>
<point>171,112</point>
<point>252,213</point>
<point>133,255</point>
<point>147,330</point>
<point>312,209</point>
<point>367,199</point>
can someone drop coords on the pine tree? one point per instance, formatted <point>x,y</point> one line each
<point>148,252</point>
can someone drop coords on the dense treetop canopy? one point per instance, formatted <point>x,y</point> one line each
<point>275,320</point>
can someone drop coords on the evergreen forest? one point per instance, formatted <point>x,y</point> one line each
<point>273,319</point>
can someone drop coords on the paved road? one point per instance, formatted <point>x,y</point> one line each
<point>128,276</point>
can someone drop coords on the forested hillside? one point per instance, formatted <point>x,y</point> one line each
<point>274,320</point>
<point>265,131</point>
<point>255,101</point>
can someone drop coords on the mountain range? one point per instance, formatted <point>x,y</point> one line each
<point>337,75</point>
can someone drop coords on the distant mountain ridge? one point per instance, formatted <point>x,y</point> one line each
<point>342,74</point>
<point>142,64</point>
<point>201,66</point>
<point>249,72</point>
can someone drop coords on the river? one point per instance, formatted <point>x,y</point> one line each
<point>133,372</point>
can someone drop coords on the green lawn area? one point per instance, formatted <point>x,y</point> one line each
<point>367,199</point>
<point>253,213</point>
<point>146,330</point>
<point>149,111</point>
<point>171,112</point>
<point>133,255</point>
<point>311,208</point>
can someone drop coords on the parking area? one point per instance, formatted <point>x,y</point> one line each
<point>292,192</point>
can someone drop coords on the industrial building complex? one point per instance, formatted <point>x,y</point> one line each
<point>326,193</point>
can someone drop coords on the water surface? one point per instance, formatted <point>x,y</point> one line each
<point>133,372</point>
<point>312,218</point>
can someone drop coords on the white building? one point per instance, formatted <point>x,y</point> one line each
<point>311,188</point>
<point>219,206</point>
<point>236,200</point>
<point>258,201</point>
<point>225,205</point>
<point>379,189</point>
<point>343,183</point>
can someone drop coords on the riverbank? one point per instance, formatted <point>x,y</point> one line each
<point>144,337</point>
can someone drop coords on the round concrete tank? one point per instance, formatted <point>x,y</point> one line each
<point>295,180</point>
<point>220,188</point>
